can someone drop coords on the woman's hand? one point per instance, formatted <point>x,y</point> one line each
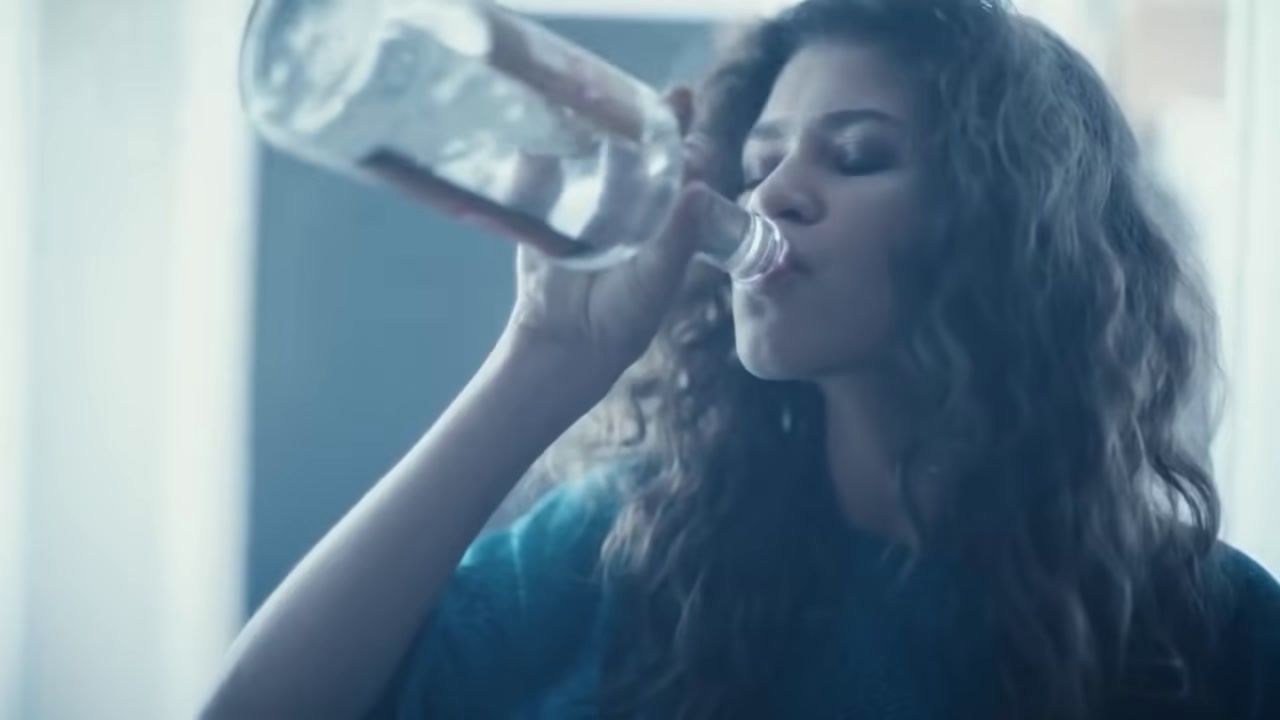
<point>603,321</point>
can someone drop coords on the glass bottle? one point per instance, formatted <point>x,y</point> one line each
<point>487,115</point>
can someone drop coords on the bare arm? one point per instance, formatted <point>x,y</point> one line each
<point>327,640</point>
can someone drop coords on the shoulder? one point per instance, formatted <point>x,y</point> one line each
<point>1233,589</point>
<point>1252,584</point>
<point>1244,612</point>
<point>1240,605</point>
<point>1247,607</point>
<point>518,609</point>
<point>569,514</point>
<point>1226,640</point>
<point>559,535</point>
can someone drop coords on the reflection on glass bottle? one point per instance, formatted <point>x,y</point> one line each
<point>491,117</point>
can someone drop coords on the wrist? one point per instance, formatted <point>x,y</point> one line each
<point>568,378</point>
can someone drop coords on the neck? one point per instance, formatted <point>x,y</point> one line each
<point>863,440</point>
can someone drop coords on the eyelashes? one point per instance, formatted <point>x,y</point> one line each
<point>867,165</point>
<point>862,161</point>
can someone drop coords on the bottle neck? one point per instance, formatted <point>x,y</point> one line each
<point>740,242</point>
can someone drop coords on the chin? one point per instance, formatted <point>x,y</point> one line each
<point>768,372</point>
<point>774,361</point>
<point>770,358</point>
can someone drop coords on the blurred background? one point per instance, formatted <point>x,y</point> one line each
<point>209,351</point>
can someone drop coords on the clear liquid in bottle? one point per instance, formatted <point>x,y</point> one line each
<point>488,116</point>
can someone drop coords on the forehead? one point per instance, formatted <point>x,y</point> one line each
<point>827,76</point>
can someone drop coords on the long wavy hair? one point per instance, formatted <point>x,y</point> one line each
<point>1055,338</point>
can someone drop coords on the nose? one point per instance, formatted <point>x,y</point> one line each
<point>788,194</point>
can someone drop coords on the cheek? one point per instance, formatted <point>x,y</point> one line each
<point>858,274</point>
<point>858,304</point>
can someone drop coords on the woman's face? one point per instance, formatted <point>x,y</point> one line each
<point>831,160</point>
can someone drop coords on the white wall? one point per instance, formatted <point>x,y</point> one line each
<point>137,357</point>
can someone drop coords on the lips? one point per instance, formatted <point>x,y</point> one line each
<point>791,260</point>
<point>790,265</point>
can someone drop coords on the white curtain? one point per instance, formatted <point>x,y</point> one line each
<point>16,50</point>
<point>125,276</point>
<point>1245,268</point>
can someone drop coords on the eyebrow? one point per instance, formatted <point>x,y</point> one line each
<point>829,122</point>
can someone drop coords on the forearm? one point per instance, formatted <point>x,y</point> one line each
<point>327,640</point>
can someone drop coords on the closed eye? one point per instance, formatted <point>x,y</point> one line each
<point>864,166</point>
<point>860,157</point>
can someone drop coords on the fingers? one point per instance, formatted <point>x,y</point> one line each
<point>669,253</point>
<point>622,196</point>
<point>698,154</point>
<point>680,98</point>
<point>697,146</point>
<point>537,183</point>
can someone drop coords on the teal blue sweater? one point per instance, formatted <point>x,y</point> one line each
<point>520,632</point>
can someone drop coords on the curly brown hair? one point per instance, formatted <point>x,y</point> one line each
<point>1054,338</point>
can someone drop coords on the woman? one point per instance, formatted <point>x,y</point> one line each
<point>938,466</point>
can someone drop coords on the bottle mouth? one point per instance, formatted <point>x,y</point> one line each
<point>761,253</point>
